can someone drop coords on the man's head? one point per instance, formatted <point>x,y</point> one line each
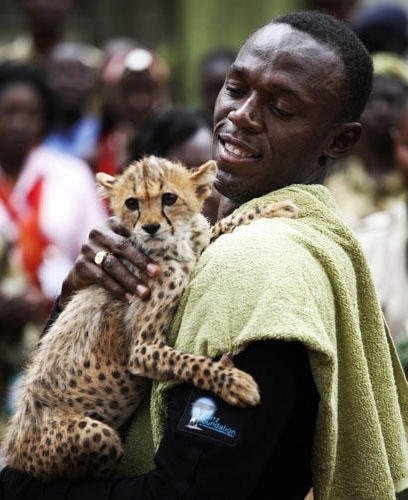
<point>25,110</point>
<point>178,134</point>
<point>143,85</point>
<point>342,9</point>
<point>213,68</point>
<point>382,27</point>
<point>383,109</point>
<point>46,14</point>
<point>289,104</point>
<point>71,74</point>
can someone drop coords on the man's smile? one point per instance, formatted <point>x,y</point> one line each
<point>232,149</point>
<point>240,153</point>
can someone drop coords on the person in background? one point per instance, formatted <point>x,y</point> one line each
<point>48,203</point>
<point>213,69</point>
<point>398,259</point>
<point>142,91</point>
<point>369,188</point>
<point>46,20</point>
<point>382,27</point>
<point>56,192</point>
<point>180,134</point>
<point>71,74</point>
<point>113,136</point>
<point>143,86</point>
<point>340,9</point>
<point>291,299</point>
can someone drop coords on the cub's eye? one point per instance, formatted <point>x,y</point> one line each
<point>132,204</point>
<point>169,199</point>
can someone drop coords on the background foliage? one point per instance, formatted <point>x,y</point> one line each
<point>181,30</point>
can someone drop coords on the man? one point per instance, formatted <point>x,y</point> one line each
<point>72,73</point>
<point>45,27</point>
<point>212,70</point>
<point>370,191</point>
<point>382,27</point>
<point>292,299</point>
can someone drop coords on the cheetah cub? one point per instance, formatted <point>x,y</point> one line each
<point>91,369</point>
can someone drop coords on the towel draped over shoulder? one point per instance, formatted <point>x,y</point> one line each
<point>303,280</point>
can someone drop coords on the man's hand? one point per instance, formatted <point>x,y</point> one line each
<point>111,273</point>
<point>18,310</point>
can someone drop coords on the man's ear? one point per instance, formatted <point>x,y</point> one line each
<point>343,140</point>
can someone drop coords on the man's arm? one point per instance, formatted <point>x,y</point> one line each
<point>224,456</point>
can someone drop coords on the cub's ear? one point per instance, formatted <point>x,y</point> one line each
<point>203,179</point>
<point>105,182</point>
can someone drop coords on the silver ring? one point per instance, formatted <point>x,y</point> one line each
<point>100,257</point>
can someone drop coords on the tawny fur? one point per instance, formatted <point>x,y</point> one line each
<point>91,369</point>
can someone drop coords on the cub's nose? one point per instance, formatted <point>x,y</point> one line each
<point>151,228</point>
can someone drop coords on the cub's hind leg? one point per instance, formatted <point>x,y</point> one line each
<point>71,446</point>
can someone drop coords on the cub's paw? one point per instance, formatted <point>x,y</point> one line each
<point>226,360</point>
<point>239,388</point>
<point>284,208</point>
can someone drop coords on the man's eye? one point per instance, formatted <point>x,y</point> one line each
<point>233,90</point>
<point>169,199</point>
<point>132,204</point>
<point>281,112</point>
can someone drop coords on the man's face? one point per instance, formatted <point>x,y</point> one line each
<point>382,110</point>
<point>401,145</point>
<point>140,94</point>
<point>274,116</point>
<point>21,119</point>
<point>71,81</point>
<point>46,13</point>
<point>212,82</point>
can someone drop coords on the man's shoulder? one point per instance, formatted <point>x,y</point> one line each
<point>255,249</point>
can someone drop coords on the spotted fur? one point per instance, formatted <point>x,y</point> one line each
<point>91,369</point>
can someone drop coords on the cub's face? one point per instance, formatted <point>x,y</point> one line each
<point>156,199</point>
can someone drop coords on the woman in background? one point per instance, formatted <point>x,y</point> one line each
<point>48,203</point>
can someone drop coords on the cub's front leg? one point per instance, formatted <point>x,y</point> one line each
<point>162,362</point>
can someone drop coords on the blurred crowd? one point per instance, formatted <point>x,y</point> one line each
<point>371,185</point>
<point>69,109</point>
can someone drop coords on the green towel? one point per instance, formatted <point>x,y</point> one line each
<point>304,280</point>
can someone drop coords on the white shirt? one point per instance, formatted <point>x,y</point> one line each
<point>383,236</point>
<point>70,207</point>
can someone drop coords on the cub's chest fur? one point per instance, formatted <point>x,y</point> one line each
<point>91,369</point>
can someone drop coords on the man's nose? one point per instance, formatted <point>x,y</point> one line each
<point>18,121</point>
<point>248,114</point>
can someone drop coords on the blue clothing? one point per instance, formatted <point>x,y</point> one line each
<point>80,140</point>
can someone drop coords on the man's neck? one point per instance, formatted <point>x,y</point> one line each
<point>12,166</point>
<point>45,41</point>
<point>226,207</point>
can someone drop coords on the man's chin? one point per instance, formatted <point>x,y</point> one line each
<point>232,188</point>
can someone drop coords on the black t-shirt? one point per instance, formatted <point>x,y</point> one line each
<point>211,450</point>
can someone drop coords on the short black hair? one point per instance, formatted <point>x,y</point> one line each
<point>167,129</point>
<point>358,66</point>
<point>14,72</point>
